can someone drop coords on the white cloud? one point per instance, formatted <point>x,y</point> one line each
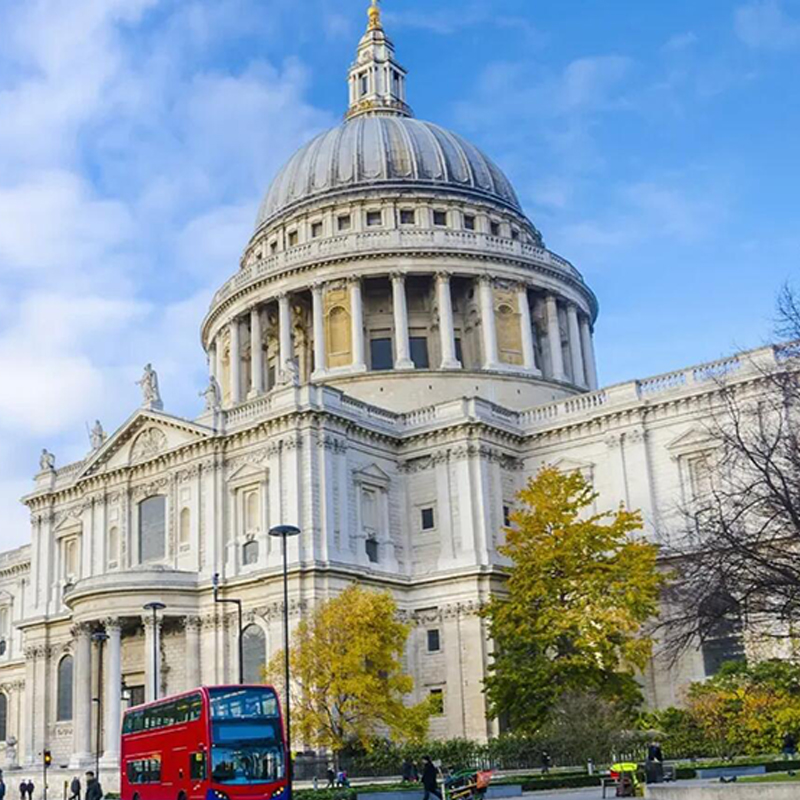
<point>763,24</point>
<point>680,42</point>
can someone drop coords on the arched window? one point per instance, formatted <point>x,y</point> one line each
<point>152,529</point>
<point>254,647</point>
<point>113,547</point>
<point>66,668</point>
<point>3,717</point>
<point>250,553</point>
<point>252,512</point>
<point>186,527</point>
<point>722,640</point>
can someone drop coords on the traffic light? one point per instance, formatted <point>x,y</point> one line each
<point>48,758</point>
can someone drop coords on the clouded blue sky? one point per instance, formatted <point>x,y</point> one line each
<point>655,144</point>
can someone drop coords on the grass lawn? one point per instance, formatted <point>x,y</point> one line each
<point>775,777</point>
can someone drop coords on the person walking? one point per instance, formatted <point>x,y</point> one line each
<point>23,790</point>
<point>75,789</point>
<point>789,747</point>
<point>430,779</point>
<point>2,787</point>
<point>94,791</point>
<point>31,788</point>
<point>331,775</point>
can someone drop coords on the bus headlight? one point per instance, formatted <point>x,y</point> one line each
<point>214,794</point>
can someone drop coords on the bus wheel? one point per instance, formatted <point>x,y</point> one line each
<point>136,797</point>
<point>182,796</point>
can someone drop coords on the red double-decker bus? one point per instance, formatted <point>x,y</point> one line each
<point>214,743</point>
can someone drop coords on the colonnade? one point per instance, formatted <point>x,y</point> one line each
<point>579,348</point>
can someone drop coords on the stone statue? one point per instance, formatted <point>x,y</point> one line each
<point>151,397</point>
<point>97,435</point>
<point>212,395</point>
<point>47,461</point>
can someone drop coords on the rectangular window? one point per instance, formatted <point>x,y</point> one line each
<point>434,641</point>
<point>469,222</point>
<point>437,702</point>
<point>344,223</point>
<point>374,219</point>
<point>408,216</point>
<point>364,84</point>
<point>459,351</point>
<point>514,234</point>
<point>419,351</point>
<point>507,516</point>
<point>494,228</point>
<point>273,248</point>
<point>440,218</point>
<point>316,230</point>
<point>381,354</point>
<point>292,238</point>
<point>372,550</point>
<point>427,520</point>
<point>152,529</point>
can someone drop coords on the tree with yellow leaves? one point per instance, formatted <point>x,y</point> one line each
<point>348,683</point>
<point>579,592</point>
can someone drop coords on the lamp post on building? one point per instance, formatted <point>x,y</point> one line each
<point>284,532</point>
<point>99,638</point>
<point>238,604</point>
<point>155,608</point>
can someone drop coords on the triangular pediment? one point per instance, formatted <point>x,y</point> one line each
<point>572,465</point>
<point>145,436</point>
<point>691,441</point>
<point>372,473</point>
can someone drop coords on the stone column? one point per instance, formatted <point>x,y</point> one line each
<point>357,317</point>
<point>152,645</point>
<point>400,306</point>
<point>285,356</point>
<point>589,363</point>
<point>447,332</point>
<point>193,627</point>
<point>554,339</point>
<point>488,324</point>
<point>31,655</point>
<point>236,363</point>
<point>219,354</point>
<point>256,353</point>
<point>82,698</point>
<point>318,320</point>
<point>528,355</point>
<point>113,692</point>
<point>575,349</point>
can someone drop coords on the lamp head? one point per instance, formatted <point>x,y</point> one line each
<point>284,531</point>
<point>154,607</point>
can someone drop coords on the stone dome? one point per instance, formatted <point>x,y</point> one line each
<point>387,152</point>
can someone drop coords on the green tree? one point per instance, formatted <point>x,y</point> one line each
<point>580,589</point>
<point>348,684</point>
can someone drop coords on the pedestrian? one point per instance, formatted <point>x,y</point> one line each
<point>23,790</point>
<point>94,791</point>
<point>408,770</point>
<point>2,787</point>
<point>31,789</point>
<point>546,762</point>
<point>75,789</point>
<point>654,766</point>
<point>331,776</point>
<point>430,779</point>
<point>789,746</point>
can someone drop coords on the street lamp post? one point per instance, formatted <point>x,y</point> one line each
<point>284,532</point>
<point>238,604</point>
<point>155,608</point>
<point>100,638</point>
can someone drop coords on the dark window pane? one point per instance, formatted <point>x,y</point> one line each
<point>506,516</point>
<point>372,550</point>
<point>65,684</point>
<point>419,351</point>
<point>437,702</point>
<point>250,553</point>
<point>427,519</point>
<point>254,645</point>
<point>469,222</point>
<point>197,766</point>
<point>344,223</point>
<point>381,353</point>
<point>316,230</point>
<point>434,644</point>
<point>3,717</point>
<point>494,227</point>
<point>292,238</point>
<point>152,529</point>
<point>137,695</point>
<point>459,353</point>
<point>407,216</point>
<point>440,218</point>
<point>374,218</point>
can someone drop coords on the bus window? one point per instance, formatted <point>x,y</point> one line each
<point>197,766</point>
<point>234,704</point>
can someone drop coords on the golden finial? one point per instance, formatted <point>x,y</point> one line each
<point>374,14</point>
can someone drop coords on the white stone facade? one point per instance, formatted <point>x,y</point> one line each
<point>397,354</point>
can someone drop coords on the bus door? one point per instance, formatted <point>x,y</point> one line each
<point>198,774</point>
